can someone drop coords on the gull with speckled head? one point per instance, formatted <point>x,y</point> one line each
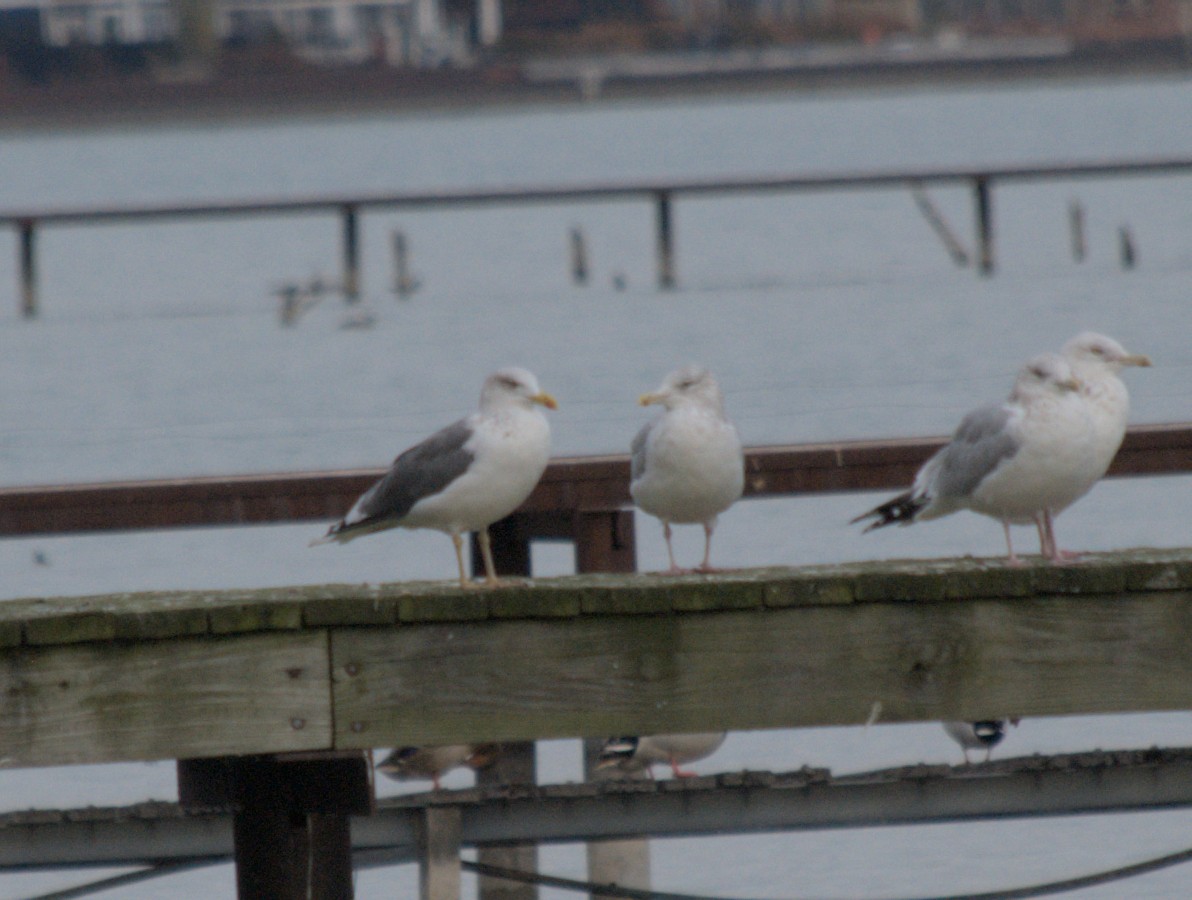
<point>1018,462</point>
<point>687,465</point>
<point>466,476</point>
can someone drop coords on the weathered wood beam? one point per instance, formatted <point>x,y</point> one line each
<point>354,667</point>
<point>570,486</point>
<point>114,699</point>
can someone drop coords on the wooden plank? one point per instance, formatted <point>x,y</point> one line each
<point>105,702</point>
<point>930,659</point>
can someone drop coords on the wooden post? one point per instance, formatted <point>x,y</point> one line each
<point>28,266</point>
<point>579,257</point>
<point>1129,253</point>
<point>605,541</point>
<point>665,242</point>
<point>351,253</point>
<point>1076,226</point>
<point>290,827</point>
<point>981,188</point>
<point>516,763</point>
<point>438,853</point>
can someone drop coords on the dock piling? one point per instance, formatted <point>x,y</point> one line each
<point>984,203</point>
<point>1076,227</point>
<point>351,252</point>
<point>665,248</point>
<point>1128,250</point>
<point>404,283</point>
<point>579,257</point>
<point>28,266</point>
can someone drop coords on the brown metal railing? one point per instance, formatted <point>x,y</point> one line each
<point>570,486</point>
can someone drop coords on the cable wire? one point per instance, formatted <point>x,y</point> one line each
<point>1037,890</point>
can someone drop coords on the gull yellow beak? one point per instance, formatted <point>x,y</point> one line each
<point>1135,359</point>
<point>545,399</point>
<point>647,399</point>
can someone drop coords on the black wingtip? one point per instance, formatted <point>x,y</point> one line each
<point>898,510</point>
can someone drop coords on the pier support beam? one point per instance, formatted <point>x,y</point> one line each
<point>290,826</point>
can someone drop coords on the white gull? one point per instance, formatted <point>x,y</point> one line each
<point>1014,461</point>
<point>466,476</point>
<point>687,465</point>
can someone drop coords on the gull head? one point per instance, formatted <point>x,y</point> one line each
<point>1047,373</point>
<point>513,386</point>
<point>1095,354</point>
<point>690,385</point>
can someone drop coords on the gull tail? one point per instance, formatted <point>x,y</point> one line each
<point>616,750</point>
<point>337,533</point>
<point>900,510</point>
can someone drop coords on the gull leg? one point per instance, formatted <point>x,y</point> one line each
<point>680,773</point>
<point>1044,538</point>
<point>1060,556</point>
<point>670,551</point>
<point>486,550</point>
<point>458,541</point>
<point>1011,559</point>
<point>706,565</point>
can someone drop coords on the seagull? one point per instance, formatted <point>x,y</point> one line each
<point>975,735</point>
<point>636,754</point>
<point>435,761</point>
<point>466,476</point>
<point>1019,461</point>
<point>687,465</point>
<point>1096,361</point>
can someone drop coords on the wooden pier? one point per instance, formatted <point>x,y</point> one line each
<point>271,699</point>
<point>349,667</point>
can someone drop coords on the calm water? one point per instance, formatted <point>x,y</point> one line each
<point>826,316</point>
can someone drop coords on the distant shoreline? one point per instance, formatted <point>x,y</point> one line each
<point>318,93</point>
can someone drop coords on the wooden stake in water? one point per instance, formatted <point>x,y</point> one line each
<point>579,257</point>
<point>1076,227</point>
<point>1129,253</point>
<point>404,283</point>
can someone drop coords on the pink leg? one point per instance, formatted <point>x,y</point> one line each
<point>1010,557</point>
<point>706,565</point>
<point>1059,556</point>
<point>680,773</point>
<point>670,552</point>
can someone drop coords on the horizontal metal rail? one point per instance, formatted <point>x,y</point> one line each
<point>810,799</point>
<point>570,487</point>
<point>602,191</point>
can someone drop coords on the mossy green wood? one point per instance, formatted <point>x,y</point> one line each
<point>771,668</point>
<point>111,701</point>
